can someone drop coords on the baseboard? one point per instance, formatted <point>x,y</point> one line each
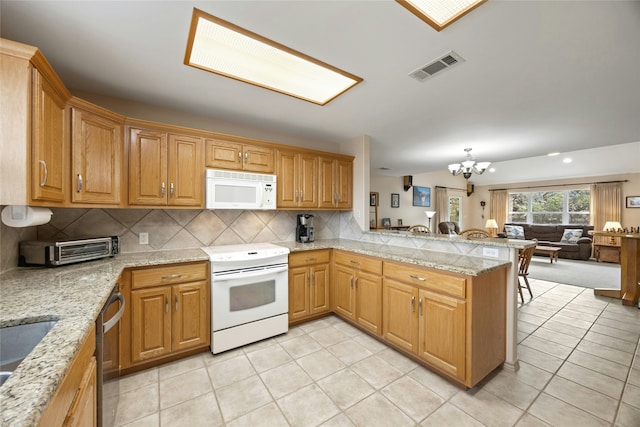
<point>611,293</point>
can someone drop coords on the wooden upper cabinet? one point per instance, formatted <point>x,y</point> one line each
<point>165,169</point>
<point>50,141</point>
<point>297,184</point>
<point>238,156</point>
<point>186,171</point>
<point>335,183</point>
<point>97,147</point>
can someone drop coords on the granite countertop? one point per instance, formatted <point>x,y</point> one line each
<point>73,295</point>
<point>455,263</point>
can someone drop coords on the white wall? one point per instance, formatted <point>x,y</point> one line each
<point>359,148</point>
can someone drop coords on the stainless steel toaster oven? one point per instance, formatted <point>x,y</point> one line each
<point>54,253</point>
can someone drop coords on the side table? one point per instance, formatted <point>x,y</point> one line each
<point>608,253</point>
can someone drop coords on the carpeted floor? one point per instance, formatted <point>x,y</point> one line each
<point>589,274</point>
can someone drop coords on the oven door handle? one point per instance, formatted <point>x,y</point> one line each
<point>245,275</point>
<point>116,318</point>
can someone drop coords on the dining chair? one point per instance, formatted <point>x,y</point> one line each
<point>475,233</point>
<point>419,229</point>
<point>524,259</point>
<point>448,227</point>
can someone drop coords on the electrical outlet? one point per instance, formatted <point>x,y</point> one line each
<point>490,252</point>
<point>143,238</point>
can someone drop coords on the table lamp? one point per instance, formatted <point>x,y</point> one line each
<point>612,227</point>
<point>429,215</point>
<point>492,225</point>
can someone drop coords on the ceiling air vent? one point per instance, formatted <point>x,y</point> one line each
<point>448,60</point>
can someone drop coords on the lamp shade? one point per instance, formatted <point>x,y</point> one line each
<point>429,214</point>
<point>612,226</point>
<point>491,223</point>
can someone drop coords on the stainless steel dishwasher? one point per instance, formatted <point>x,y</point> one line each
<point>107,356</point>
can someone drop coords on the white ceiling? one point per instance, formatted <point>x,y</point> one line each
<point>539,76</point>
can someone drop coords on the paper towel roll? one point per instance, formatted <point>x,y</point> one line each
<point>25,216</point>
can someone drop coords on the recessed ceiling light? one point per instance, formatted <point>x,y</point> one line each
<point>492,170</point>
<point>566,160</point>
<point>440,13</point>
<point>553,154</point>
<point>223,48</point>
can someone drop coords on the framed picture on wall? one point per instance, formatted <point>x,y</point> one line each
<point>421,196</point>
<point>386,222</point>
<point>395,200</point>
<point>373,199</point>
<point>633,201</point>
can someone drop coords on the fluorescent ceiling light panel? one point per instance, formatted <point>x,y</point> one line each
<point>223,48</point>
<point>440,13</point>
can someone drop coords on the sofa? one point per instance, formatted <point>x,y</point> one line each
<point>573,244</point>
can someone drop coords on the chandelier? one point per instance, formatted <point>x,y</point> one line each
<point>469,166</point>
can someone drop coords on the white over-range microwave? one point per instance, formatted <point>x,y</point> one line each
<point>240,190</point>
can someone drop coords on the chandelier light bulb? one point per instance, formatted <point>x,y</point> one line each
<point>469,166</point>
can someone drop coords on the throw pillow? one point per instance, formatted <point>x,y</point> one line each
<point>515,232</point>
<point>571,235</point>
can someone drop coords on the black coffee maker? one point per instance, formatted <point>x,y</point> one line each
<point>304,228</point>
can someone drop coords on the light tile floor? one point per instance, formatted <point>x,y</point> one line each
<point>579,366</point>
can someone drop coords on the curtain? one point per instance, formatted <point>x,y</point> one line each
<point>499,207</point>
<point>441,208</point>
<point>606,205</point>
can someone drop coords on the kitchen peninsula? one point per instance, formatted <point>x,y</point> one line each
<point>81,290</point>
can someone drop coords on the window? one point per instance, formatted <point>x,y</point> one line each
<point>550,207</point>
<point>455,210</point>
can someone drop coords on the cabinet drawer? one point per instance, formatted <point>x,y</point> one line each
<point>360,262</point>
<point>426,278</point>
<point>168,274</point>
<point>302,259</point>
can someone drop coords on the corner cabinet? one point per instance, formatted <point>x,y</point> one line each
<point>169,312</point>
<point>97,151</point>
<point>357,289</point>
<point>222,154</point>
<point>453,323</point>
<point>165,169</point>
<point>309,279</point>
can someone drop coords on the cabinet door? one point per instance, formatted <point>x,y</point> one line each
<point>400,314</point>
<point>150,323</point>
<point>343,292</point>
<point>190,318</point>
<point>298,293</point>
<point>258,159</point>
<point>326,194</point>
<point>442,332</point>
<point>369,301</point>
<point>308,181</point>
<point>96,156</point>
<point>50,161</point>
<point>287,175</point>
<point>223,154</point>
<point>147,167</point>
<point>186,171</point>
<point>343,184</point>
<point>319,297</point>
<point>83,411</point>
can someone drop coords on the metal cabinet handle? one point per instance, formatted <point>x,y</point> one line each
<point>356,281</point>
<point>420,307</point>
<point>310,259</point>
<point>301,195</point>
<point>46,172</point>
<point>413,304</point>
<point>166,304</point>
<point>171,189</point>
<point>308,279</point>
<point>296,195</point>
<point>422,279</point>
<point>314,279</point>
<point>171,276</point>
<point>246,156</point>
<point>79,183</point>
<point>176,302</point>
<point>355,262</point>
<point>351,282</point>
<point>240,156</point>
<point>162,188</point>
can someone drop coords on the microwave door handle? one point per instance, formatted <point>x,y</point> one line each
<point>116,318</point>
<point>245,275</point>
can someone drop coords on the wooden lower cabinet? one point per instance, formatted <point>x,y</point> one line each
<point>453,323</point>
<point>74,402</point>
<point>169,312</point>
<point>357,289</point>
<point>309,284</point>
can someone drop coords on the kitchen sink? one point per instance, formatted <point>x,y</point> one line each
<point>16,342</point>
